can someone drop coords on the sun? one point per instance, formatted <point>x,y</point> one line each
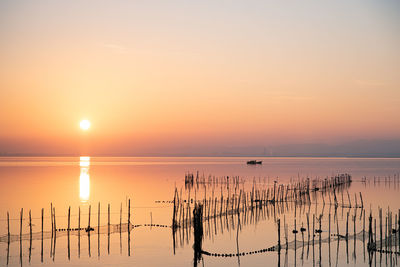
<point>85,125</point>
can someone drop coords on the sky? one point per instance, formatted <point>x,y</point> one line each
<point>196,77</point>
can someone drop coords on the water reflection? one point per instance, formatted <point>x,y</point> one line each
<point>84,179</point>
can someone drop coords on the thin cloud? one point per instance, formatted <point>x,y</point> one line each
<point>369,83</point>
<point>116,48</point>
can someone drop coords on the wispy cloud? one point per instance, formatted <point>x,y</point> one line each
<point>369,83</point>
<point>116,48</point>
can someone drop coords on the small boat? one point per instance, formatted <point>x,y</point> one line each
<point>254,162</point>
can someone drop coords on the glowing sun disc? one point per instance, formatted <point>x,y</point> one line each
<point>84,124</point>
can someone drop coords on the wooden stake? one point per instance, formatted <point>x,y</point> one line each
<point>55,228</point>
<point>98,218</point>
<point>30,225</point>
<point>279,234</point>
<point>20,227</point>
<point>79,219</point>
<point>90,207</point>
<point>108,219</point>
<point>8,226</point>
<point>51,218</point>
<point>129,214</point>
<point>329,227</point>
<point>41,251</point>
<point>69,218</point>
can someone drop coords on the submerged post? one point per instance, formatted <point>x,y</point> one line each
<point>30,225</point>
<point>370,235</point>
<point>89,218</point>
<point>279,234</point>
<point>129,214</point>
<point>198,232</point>
<point>98,219</point>
<point>79,219</point>
<point>8,226</point>
<point>54,218</point>
<point>20,227</point>
<point>108,219</point>
<point>51,218</point>
<point>329,236</point>
<point>69,218</point>
<point>41,251</point>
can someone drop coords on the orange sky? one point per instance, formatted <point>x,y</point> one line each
<point>151,74</point>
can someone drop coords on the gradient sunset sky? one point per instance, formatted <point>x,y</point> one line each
<point>165,76</point>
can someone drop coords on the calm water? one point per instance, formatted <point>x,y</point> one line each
<point>32,183</point>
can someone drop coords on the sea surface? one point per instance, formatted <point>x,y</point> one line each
<point>147,185</point>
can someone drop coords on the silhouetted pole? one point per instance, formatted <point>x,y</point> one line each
<point>89,219</point>
<point>329,236</point>
<point>30,235</point>
<point>108,240</point>
<point>79,219</point>
<point>20,227</point>
<point>79,231</point>
<point>279,235</point>
<point>8,226</point>
<point>108,224</point>
<point>51,218</point>
<point>68,232</point>
<point>55,233</point>
<point>98,218</point>
<point>69,219</point>
<point>41,251</point>
<point>129,214</point>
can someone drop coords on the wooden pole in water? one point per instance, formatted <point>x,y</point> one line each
<point>108,230</point>
<point>313,227</point>
<point>129,214</point>
<point>380,226</point>
<point>279,234</point>
<point>370,238</point>
<point>308,225</point>
<point>69,218</point>
<point>79,231</point>
<point>20,227</point>
<point>375,231</point>
<point>41,251</point>
<point>108,219</point>
<point>55,233</point>
<point>90,207</point>
<point>79,219</point>
<point>30,235</point>
<point>386,228</point>
<point>98,218</point>
<point>51,218</point>
<point>30,225</point>
<point>337,226</point>
<point>42,221</point>
<point>120,218</point>
<point>54,215</point>
<point>8,226</point>
<point>329,227</point>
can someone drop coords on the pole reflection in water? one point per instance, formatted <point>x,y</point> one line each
<point>84,179</point>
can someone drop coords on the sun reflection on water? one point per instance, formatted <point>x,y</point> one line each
<point>84,179</point>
